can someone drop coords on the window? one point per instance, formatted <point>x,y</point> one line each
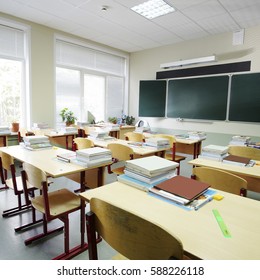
<point>90,82</point>
<point>12,75</point>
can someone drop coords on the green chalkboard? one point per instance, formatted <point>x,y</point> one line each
<point>152,98</point>
<point>245,98</point>
<point>198,98</point>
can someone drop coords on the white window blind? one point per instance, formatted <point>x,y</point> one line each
<point>11,42</point>
<point>68,54</point>
<point>110,68</point>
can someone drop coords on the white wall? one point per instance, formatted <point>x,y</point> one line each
<point>145,64</point>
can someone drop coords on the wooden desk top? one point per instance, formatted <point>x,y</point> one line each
<point>143,151</point>
<point>178,140</point>
<point>198,230</point>
<point>240,170</point>
<point>46,159</point>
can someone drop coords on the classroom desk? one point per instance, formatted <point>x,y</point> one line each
<point>138,151</point>
<point>3,139</point>
<point>184,145</point>
<point>57,138</point>
<point>47,161</point>
<point>198,230</point>
<point>251,174</point>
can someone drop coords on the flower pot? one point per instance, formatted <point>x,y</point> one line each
<point>15,127</point>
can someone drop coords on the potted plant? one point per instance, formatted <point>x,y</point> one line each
<point>112,120</point>
<point>129,120</point>
<point>67,116</point>
<point>15,126</point>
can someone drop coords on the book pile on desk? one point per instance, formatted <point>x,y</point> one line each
<point>5,130</point>
<point>93,156</point>
<point>214,152</point>
<point>238,160</point>
<point>197,135</point>
<point>184,191</point>
<point>239,140</point>
<point>69,130</point>
<point>36,142</point>
<point>157,142</point>
<point>100,135</point>
<point>144,173</point>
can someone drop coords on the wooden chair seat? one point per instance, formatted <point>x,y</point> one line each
<point>60,201</point>
<point>19,184</point>
<point>177,158</point>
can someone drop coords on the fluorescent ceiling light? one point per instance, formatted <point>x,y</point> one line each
<point>188,61</point>
<point>153,8</point>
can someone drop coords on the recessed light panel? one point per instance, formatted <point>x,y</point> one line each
<point>153,8</point>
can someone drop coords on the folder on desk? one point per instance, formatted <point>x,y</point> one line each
<point>183,187</point>
<point>237,160</point>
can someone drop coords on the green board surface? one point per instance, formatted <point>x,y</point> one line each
<point>198,98</point>
<point>152,98</point>
<point>245,98</point>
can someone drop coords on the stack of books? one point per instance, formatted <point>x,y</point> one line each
<point>238,160</point>
<point>36,142</point>
<point>5,130</point>
<point>93,156</point>
<point>239,140</point>
<point>144,173</point>
<point>214,152</point>
<point>100,135</point>
<point>197,135</point>
<point>157,142</point>
<point>184,191</point>
<point>70,130</point>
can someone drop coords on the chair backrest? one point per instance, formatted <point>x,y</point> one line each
<point>7,161</point>
<point>134,136</point>
<point>33,175</point>
<point>120,152</point>
<point>83,143</point>
<point>221,180</point>
<point>244,151</point>
<point>132,236</point>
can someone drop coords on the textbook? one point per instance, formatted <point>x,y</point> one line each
<point>151,166</point>
<point>186,189</point>
<point>237,160</point>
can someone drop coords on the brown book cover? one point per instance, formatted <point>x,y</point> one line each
<point>184,187</point>
<point>238,159</point>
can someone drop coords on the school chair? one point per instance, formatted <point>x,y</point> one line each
<point>244,151</point>
<point>52,204</point>
<point>134,136</point>
<point>14,182</point>
<point>221,180</point>
<point>120,153</point>
<point>130,235</point>
<point>82,143</point>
